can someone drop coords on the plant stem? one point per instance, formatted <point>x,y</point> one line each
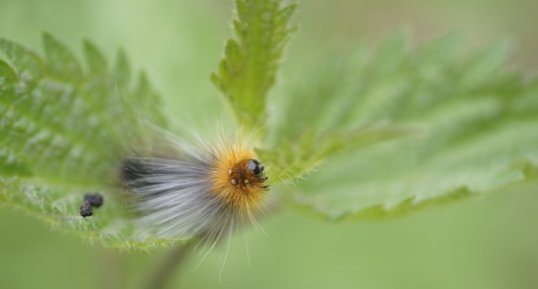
<point>165,270</point>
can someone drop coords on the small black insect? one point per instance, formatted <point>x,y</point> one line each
<point>95,199</point>
<point>86,209</point>
<point>90,201</point>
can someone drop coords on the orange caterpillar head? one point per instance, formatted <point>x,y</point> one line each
<point>238,178</point>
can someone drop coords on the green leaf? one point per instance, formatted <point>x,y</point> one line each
<point>247,71</point>
<point>60,61</point>
<point>377,133</point>
<point>29,64</point>
<point>63,132</point>
<point>447,125</point>
<point>94,58</point>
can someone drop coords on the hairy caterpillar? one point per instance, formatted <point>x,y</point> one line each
<point>203,191</point>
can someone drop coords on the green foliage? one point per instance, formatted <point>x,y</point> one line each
<point>64,130</point>
<point>248,69</point>
<point>465,124</point>
<point>395,130</point>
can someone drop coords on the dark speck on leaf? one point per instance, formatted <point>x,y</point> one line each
<point>86,209</point>
<point>95,199</point>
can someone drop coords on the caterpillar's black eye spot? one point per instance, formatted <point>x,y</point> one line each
<point>86,209</point>
<point>95,199</point>
<point>255,167</point>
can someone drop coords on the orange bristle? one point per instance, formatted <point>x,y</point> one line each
<point>234,182</point>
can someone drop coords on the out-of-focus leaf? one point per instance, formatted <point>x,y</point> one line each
<point>447,125</point>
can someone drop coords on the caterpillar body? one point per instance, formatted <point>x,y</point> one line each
<point>205,191</point>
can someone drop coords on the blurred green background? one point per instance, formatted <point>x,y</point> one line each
<point>482,243</point>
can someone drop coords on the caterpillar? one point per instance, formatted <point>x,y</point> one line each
<point>195,191</point>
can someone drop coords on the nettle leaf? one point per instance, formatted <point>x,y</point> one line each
<point>248,69</point>
<point>389,130</point>
<point>64,130</point>
<point>447,125</point>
